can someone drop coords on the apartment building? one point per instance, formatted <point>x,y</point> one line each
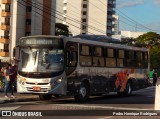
<point>85,16</point>
<point>5,15</point>
<point>110,16</point>
<point>21,18</point>
<point>115,28</point>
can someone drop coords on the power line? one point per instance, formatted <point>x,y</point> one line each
<point>41,14</point>
<point>137,25</point>
<point>74,20</point>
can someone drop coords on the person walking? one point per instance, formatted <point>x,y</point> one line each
<point>155,75</point>
<point>8,84</point>
<point>13,77</point>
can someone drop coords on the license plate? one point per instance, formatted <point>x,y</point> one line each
<point>36,88</point>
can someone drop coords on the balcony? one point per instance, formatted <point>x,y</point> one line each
<point>6,1</point>
<point>5,27</point>
<point>4,40</point>
<point>4,53</point>
<point>5,13</point>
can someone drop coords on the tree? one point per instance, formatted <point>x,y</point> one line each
<point>151,40</point>
<point>62,29</point>
<point>128,41</point>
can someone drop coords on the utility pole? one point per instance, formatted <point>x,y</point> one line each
<point>136,28</point>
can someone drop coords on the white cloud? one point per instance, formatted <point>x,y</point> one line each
<point>128,3</point>
<point>157,2</point>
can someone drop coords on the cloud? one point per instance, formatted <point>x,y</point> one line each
<point>157,2</point>
<point>128,3</point>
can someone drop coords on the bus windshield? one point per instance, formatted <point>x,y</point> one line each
<point>41,60</point>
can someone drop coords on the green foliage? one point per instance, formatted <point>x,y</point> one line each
<point>61,29</point>
<point>151,40</point>
<point>128,41</point>
<point>155,57</point>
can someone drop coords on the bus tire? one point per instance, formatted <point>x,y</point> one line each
<point>83,93</point>
<point>128,90</point>
<point>45,96</point>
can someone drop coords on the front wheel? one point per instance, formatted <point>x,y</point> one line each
<point>45,96</point>
<point>83,93</point>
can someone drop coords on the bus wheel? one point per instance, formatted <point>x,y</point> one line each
<point>128,90</point>
<point>83,93</point>
<point>45,96</point>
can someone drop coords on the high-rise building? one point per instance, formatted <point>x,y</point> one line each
<point>85,16</point>
<point>110,16</point>
<point>19,18</point>
<point>4,27</point>
<point>115,28</point>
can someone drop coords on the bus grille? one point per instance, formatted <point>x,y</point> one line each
<point>37,83</point>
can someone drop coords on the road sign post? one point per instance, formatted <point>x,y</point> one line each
<point>157,96</point>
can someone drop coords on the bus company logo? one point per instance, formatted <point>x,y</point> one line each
<point>6,113</point>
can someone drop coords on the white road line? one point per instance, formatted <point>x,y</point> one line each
<point>9,108</point>
<point>106,117</point>
<point>99,107</point>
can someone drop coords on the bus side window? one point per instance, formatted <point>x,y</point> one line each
<point>71,59</point>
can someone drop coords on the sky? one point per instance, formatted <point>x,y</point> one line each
<point>139,15</point>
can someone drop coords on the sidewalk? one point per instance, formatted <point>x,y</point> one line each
<point>19,97</point>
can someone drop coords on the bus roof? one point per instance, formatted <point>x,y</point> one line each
<point>103,42</point>
<point>99,40</point>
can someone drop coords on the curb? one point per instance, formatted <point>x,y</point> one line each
<point>18,100</point>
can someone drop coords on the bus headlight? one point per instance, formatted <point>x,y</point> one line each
<point>58,81</point>
<point>21,80</point>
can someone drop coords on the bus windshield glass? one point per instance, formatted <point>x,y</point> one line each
<point>42,60</point>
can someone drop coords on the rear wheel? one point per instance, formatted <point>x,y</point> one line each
<point>45,96</point>
<point>127,91</point>
<point>83,93</point>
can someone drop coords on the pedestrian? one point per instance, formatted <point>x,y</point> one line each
<point>155,75</point>
<point>13,77</point>
<point>8,83</point>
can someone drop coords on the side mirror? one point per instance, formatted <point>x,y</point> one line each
<point>16,53</point>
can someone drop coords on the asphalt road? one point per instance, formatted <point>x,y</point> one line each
<point>99,107</point>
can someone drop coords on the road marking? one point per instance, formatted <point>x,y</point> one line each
<point>106,117</point>
<point>99,107</point>
<point>9,108</point>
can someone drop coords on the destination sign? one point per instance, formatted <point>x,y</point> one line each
<point>39,41</point>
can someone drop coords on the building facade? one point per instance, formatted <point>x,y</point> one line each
<point>21,18</point>
<point>115,28</point>
<point>85,16</point>
<point>5,15</point>
<point>110,16</point>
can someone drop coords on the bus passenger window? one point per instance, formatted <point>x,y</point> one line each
<point>98,59</point>
<point>110,62</point>
<point>85,60</point>
<point>85,55</point>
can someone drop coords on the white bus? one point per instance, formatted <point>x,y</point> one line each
<point>50,65</point>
